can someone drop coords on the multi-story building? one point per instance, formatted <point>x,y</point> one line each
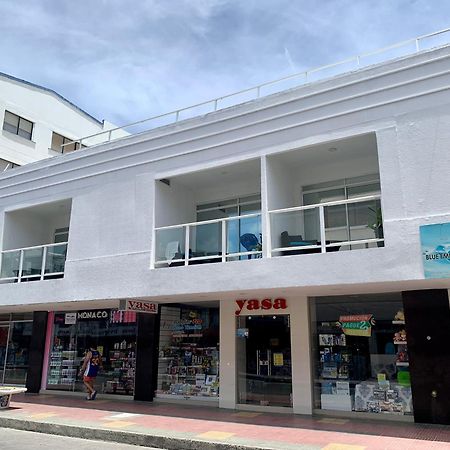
<point>37,123</point>
<point>287,254</point>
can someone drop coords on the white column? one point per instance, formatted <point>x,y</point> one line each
<point>227,396</point>
<point>302,383</point>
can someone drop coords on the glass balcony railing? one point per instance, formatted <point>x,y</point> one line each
<point>327,227</point>
<point>210,241</point>
<point>33,263</point>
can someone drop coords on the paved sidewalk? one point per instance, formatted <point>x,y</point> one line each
<point>180,427</point>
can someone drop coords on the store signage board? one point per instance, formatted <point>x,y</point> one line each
<point>139,306</point>
<point>358,325</point>
<point>95,314</point>
<point>253,306</point>
<point>435,244</point>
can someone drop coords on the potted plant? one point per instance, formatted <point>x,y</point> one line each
<point>376,223</point>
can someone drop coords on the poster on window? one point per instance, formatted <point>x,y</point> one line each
<point>357,325</point>
<point>435,244</point>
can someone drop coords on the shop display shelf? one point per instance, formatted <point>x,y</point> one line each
<point>398,322</point>
<point>401,342</point>
<point>402,364</point>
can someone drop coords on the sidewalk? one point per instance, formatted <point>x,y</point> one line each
<point>180,427</point>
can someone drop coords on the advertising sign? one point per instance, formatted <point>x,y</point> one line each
<point>358,325</point>
<point>435,243</point>
<point>139,306</point>
<point>70,318</point>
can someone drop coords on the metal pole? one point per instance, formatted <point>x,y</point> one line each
<point>323,243</point>
<point>19,275</point>
<point>44,258</point>
<point>186,246</point>
<point>7,348</point>
<point>224,241</point>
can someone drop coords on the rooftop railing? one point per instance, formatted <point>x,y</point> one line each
<point>403,48</point>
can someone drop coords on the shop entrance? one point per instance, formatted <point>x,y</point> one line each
<point>15,338</point>
<point>264,360</point>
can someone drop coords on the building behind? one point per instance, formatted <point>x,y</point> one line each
<point>38,123</point>
<point>289,254</point>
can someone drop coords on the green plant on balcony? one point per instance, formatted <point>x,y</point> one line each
<point>376,222</point>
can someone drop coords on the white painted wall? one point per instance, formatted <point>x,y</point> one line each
<point>406,103</point>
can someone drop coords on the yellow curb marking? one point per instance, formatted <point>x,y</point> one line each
<point>215,435</point>
<point>336,421</point>
<point>43,415</point>
<point>343,447</point>
<point>118,424</point>
<point>246,414</point>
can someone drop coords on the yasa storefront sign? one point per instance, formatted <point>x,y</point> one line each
<point>435,243</point>
<point>360,325</point>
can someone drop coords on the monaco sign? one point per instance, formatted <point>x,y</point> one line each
<point>139,306</point>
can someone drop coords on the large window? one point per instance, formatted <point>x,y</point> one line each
<point>18,125</point>
<point>112,332</point>
<point>360,354</point>
<point>242,234</point>
<point>189,352</point>
<point>346,222</point>
<point>15,338</point>
<point>63,144</point>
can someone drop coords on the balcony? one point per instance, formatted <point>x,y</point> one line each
<point>209,241</point>
<point>35,242</point>
<point>327,227</point>
<point>36,263</point>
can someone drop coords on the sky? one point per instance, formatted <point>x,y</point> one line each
<point>124,61</point>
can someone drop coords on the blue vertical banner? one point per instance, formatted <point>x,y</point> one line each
<point>435,243</point>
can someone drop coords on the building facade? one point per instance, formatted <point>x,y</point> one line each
<point>273,256</point>
<point>38,123</point>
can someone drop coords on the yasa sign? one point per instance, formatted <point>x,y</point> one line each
<point>255,305</point>
<point>435,243</point>
<point>139,306</point>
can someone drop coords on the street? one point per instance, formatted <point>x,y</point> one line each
<point>28,440</point>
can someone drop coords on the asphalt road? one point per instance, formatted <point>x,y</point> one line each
<point>28,440</point>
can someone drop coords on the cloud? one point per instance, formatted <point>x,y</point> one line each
<point>124,61</point>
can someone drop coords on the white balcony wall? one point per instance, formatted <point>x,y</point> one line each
<point>405,103</point>
<point>34,225</point>
<point>174,204</point>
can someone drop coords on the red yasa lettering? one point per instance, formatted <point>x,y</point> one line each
<point>266,303</point>
<point>240,304</point>
<point>279,303</point>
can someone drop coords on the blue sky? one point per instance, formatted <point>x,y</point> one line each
<point>127,60</point>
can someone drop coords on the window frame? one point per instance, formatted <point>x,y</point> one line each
<point>18,128</point>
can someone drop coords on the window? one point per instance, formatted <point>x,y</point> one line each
<point>63,144</point>
<point>61,235</point>
<point>18,125</point>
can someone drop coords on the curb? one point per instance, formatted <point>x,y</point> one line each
<point>121,437</point>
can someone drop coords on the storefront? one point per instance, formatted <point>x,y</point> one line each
<point>188,358</point>
<point>15,337</point>
<point>70,334</point>
<point>360,355</point>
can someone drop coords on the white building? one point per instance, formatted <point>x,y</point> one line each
<point>258,231</point>
<point>38,123</point>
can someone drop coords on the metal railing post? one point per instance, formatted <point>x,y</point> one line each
<point>44,257</point>
<point>267,242</point>
<point>417,45</point>
<point>224,241</point>
<point>109,135</point>
<point>19,275</point>
<point>186,246</point>
<point>177,115</point>
<point>323,243</point>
